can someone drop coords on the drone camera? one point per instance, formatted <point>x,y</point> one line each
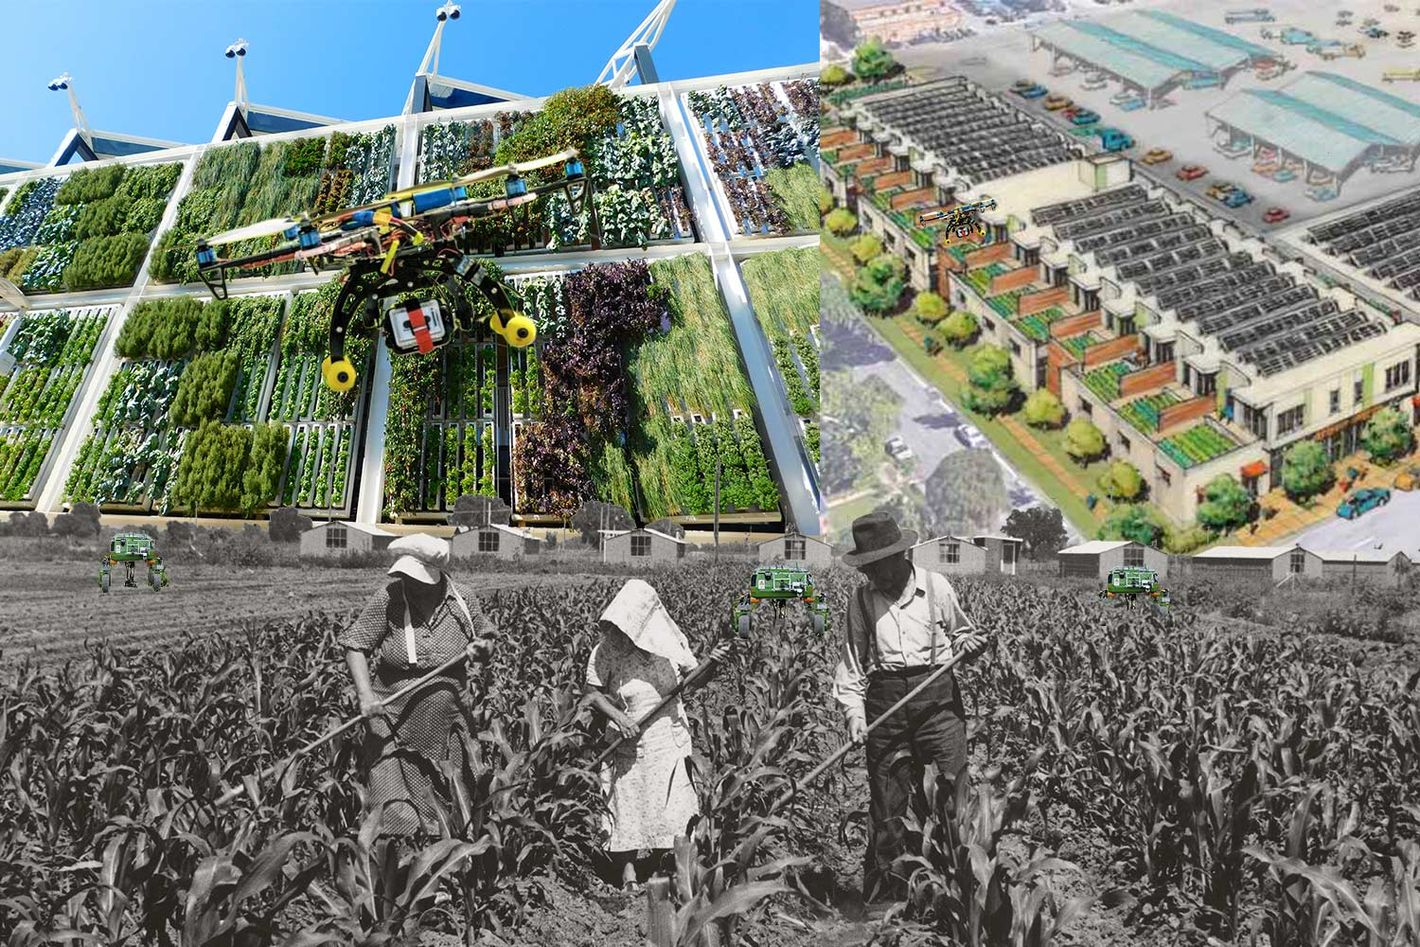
<point>575,169</point>
<point>516,186</point>
<point>309,237</point>
<point>417,327</point>
<point>206,256</point>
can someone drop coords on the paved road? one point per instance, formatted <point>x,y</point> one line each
<point>1392,527</point>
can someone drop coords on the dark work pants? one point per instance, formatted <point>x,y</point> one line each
<point>932,729</point>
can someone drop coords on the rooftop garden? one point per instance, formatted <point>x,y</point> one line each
<point>1037,325</point>
<point>629,156</point>
<point>761,141</point>
<point>858,91</point>
<point>784,291</point>
<point>1005,304</point>
<point>1197,445</point>
<point>980,278</point>
<point>1144,412</point>
<point>1076,344</point>
<point>52,352</point>
<point>90,230</point>
<point>1104,381</point>
<point>244,182</point>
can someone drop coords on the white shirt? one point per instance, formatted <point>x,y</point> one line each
<point>908,633</point>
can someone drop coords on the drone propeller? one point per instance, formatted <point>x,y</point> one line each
<point>262,228</point>
<point>520,168</point>
<point>12,295</point>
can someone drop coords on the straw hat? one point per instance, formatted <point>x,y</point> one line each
<point>422,557</point>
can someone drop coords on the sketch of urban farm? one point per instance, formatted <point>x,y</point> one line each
<point>762,142</point>
<point>244,182</point>
<point>784,292</point>
<point>627,152</point>
<point>52,352</point>
<point>90,230</point>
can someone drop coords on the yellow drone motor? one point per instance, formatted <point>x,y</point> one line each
<point>339,374</point>
<point>519,331</point>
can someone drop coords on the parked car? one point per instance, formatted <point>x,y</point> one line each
<point>1408,480</point>
<point>1190,172</point>
<point>1275,215</point>
<point>1112,139</point>
<point>897,449</point>
<point>1057,102</point>
<point>1363,501</point>
<point>1237,197</point>
<point>971,438</point>
<point>1033,91</point>
<point>1221,189</point>
<point>1376,32</point>
<point>1157,156</point>
<point>1084,117</point>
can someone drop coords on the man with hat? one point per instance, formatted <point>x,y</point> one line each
<point>903,624</point>
<point>418,621</point>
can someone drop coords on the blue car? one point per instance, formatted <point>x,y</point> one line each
<point>1084,117</point>
<point>1363,501</point>
<point>1237,197</point>
<point>1032,92</point>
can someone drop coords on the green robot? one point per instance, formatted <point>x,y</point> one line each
<point>779,585</point>
<point>131,549</point>
<point>1128,585</point>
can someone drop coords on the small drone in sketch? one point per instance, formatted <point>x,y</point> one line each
<point>409,241</point>
<point>961,219</point>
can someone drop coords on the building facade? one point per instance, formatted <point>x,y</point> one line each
<point>493,539</point>
<point>850,22</point>
<point>644,547</point>
<point>339,538</point>
<point>807,550</point>
<point>1274,564</point>
<point>950,555</point>
<point>1097,558</point>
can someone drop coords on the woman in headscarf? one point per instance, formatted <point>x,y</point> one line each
<point>411,626</point>
<point>641,657</point>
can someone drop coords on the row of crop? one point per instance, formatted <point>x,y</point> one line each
<point>318,466</point>
<point>459,459</point>
<point>761,148</point>
<point>91,231</point>
<point>299,392</point>
<point>784,291</point>
<point>238,184</point>
<point>22,453</point>
<point>630,159</point>
<point>730,446</point>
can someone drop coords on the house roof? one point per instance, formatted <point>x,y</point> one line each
<point>613,533</point>
<point>509,529</point>
<point>935,539</point>
<point>1245,552</point>
<point>1357,555</point>
<point>810,539</point>
<point>371,530</point>
<point>1094,547</point>
<point>1004,539</point>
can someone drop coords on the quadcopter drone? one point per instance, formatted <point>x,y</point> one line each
<point>961,219</point>
<point>410,241</point>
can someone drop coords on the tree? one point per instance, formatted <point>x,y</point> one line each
<point>1122,481</point>
<point>1225,504</point>
<point>1042,528</point>
<point>1306,470</point>
<point>1083,441</point>
<point>471,510</point>
<point>993,387</point>
<point>879,285</point>
<point>1388,436</point>
<point>866,247</point>
<point>966,492</point>
<point>841,222</point>
<point>28,524</point>
<point>959,329</point>
<point>834,75</point>
<point>872,61</point>
<point>825,200</point>
<point>81,520</point>
<point>1043,409</point>
<point>929,307</point>
<point>1137,522</point>
<point>184,534</point>
<point>286,525</point>
<point>595,515</point>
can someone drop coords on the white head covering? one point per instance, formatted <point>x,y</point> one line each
<point>637,610</point>
<point>422,557</point>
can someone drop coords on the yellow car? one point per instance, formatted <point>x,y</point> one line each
<point>1056,102</point>
<point>1157,156</point>
<point>1408,479</point>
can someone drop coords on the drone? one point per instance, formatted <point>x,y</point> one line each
<point>961,219</point>
<point>410,241</point>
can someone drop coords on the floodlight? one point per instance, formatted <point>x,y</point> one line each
<point>60,83</point>
<point>239,48</point>
<point>449,11</point>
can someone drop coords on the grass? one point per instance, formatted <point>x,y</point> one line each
<point>795,189</point>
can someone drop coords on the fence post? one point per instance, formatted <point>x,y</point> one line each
<point>660,917</point>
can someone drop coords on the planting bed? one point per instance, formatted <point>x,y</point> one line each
<point>762,141</point>
<point>1104,381</point>
<point>628,154</point>
<point>784,291</point>
<point>52,352</point>
<point>1197,445</point>
<point>1037,325</point>
<point>90,230</point>
<point>243,182</point>
<point>1143,412</point>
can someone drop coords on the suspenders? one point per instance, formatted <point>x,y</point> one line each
<point>409,650</point>
<point>870,627</point>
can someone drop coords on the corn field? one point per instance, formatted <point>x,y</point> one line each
<point>1243,790</point>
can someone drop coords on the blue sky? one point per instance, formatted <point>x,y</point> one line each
<point>156,68</point>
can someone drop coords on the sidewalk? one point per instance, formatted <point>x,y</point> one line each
<point>1292,518</point>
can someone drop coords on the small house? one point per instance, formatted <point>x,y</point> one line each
<point>1274,563</point>
<point>494,539</point>
<point>340,537</point>
<point>792,547</point>
<point>950,555</point>
<point>1097,558</point>
<point>1002,552</point>
<point>1371,565</point>
<point>642,546</point>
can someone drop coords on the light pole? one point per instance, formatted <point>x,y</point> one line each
<point>65,83</point>
<point>430,65</point>
<point>238,51</point>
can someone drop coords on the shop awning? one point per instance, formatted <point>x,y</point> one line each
<point>1415,402</point>
<point>1253,470</point>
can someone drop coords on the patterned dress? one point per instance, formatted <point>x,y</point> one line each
<point>425,725</point>
<point>647,783</point>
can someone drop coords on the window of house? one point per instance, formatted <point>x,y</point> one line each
<point>1299,561</point>
<point>488,540</point>
<point>1008,554</point>
<point>1359,390</point>
<point>1031,257</point>
<point>336,537</point>
<point>1163,352</point>
<point>1124,443</point>
<point>1336,401</point>
<point>794,549</point>
<point>1134,557</point>
<point>1207,384</point>
<point>1397,375</point>
<point>1289,420</point>
<point>990,326</point>
<point>1164,476</point>
<point>950,550</point>
<point>640,545</point>
<point>1015,349</point>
